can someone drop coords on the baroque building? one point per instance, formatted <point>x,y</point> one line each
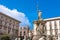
<point>46,29</point>
<point>52,28</point>
<point>25,33</point>
<point>8,25</point>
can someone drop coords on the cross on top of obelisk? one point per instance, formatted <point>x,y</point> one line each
<point>39,12</point>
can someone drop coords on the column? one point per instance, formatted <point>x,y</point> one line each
<point>53,27</point>
<point>53,30</point>
<point>48,30</point>
<point>58,29</point>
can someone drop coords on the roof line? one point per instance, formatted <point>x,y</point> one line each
<point>9,16</point>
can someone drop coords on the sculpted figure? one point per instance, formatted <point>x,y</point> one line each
<point>39,15</point>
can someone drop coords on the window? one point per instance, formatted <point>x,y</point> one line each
<point>20,28</point>
<point>0,27</point>
<point>0,22</point>
<point>56,30</point>
<point>1,16</point>
<point>20,33</point>
<point>9,30</point>
<point>6,23</point>
<point>5,28</point>
<point>10,20</point>
<point>6,18</point>
<point>13,22</point>
<point>9,24</point>
<point>24,32</point>
<point>16,31</point>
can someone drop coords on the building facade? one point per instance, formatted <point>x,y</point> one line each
<point>46,29</point>
<point>53,28</point>
<point>25,33</point>
<point>8,25</point>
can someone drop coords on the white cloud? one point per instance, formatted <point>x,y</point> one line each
<point>15,14</point>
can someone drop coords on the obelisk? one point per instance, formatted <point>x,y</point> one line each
<point>36,33</point>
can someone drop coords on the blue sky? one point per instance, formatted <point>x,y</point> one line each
<point>49,8</point>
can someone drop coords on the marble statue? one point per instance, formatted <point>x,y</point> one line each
<point>39,14</point>
<point>38,28</point>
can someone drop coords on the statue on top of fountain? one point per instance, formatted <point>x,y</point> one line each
<point>38,27</point>
<point>39,15</point>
